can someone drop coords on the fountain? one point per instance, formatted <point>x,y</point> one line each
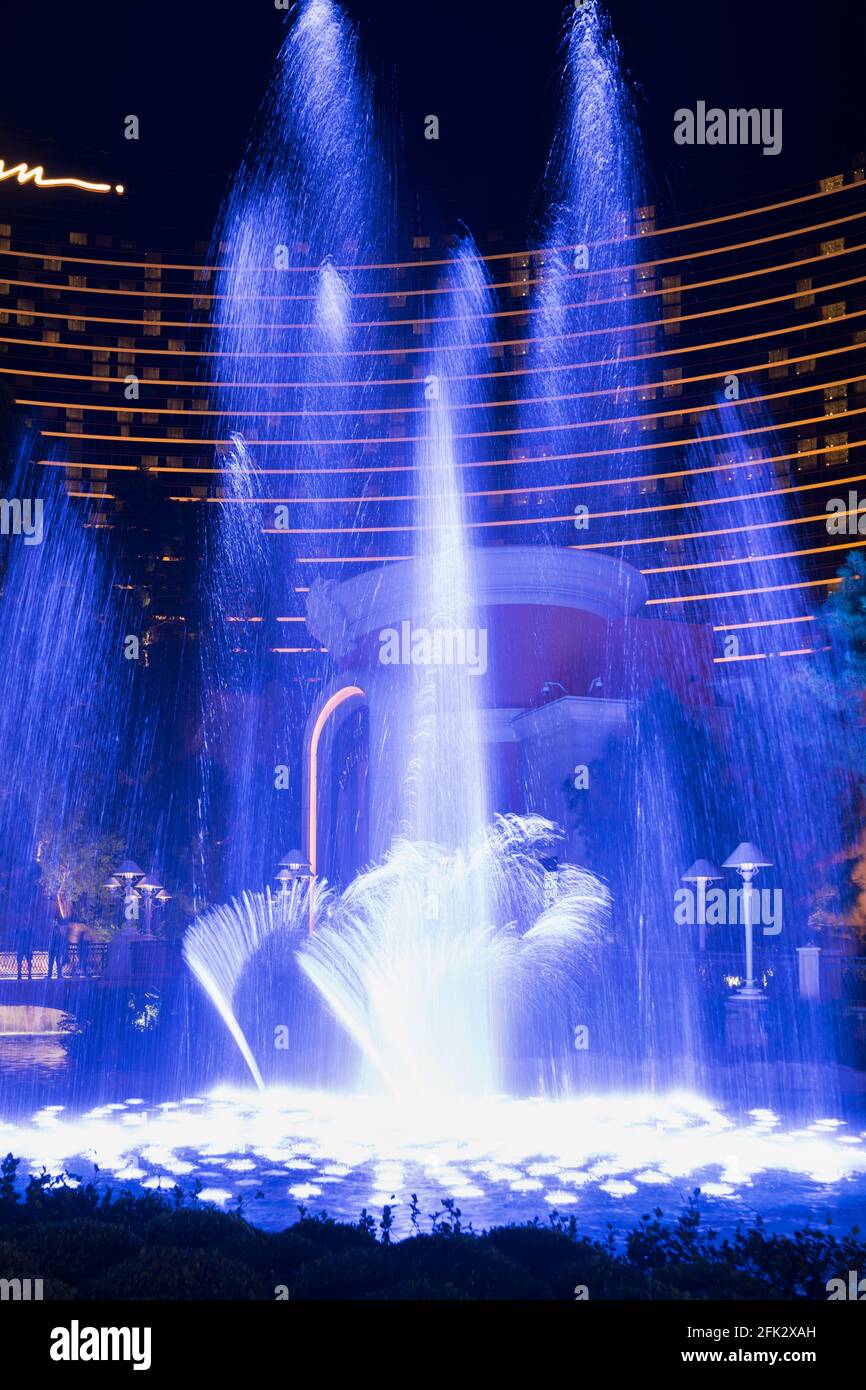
<point>469,995</point>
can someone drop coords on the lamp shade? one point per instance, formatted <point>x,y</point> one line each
<point>702,868</point>
<point>747,856</point>
<point>295,862</point>
<point>128,871</point>
<point>149,883</point>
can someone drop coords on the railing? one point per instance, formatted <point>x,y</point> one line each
<point>84,960</point>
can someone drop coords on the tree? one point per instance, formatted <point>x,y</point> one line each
<point>76,865</point>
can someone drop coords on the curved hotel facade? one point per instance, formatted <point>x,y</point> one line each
<point>108,350</point>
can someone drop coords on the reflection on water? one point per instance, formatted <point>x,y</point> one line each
<point>26,1055</point>
<point>602,1158</point>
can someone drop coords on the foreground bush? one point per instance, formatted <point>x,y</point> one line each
<point>88,1243</point>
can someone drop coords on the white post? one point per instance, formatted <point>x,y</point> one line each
<point>702,912</point>
<point>748,873</point>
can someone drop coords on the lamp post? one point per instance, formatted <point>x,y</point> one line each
<point>126,876</point>
<point>701,873</point>
<point>137,884</point>
<point>150,889</point>
<point>747,859</point>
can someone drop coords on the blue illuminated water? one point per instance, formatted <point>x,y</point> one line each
<point>431,1014</point>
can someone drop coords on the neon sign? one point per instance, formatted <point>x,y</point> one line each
<point>24,174</point>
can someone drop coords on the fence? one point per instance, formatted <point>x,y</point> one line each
<point>83,960</point>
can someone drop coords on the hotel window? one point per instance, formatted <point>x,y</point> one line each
<point>833,182</point>
<point>830,248</point>
<point>25,319</point>
<point>76,282</point>
<point>673,382</point>
<point>75,325</point>
<point>151,323</point>
<point>51,264</point>
<point>806,448</point>
<point>837,451</point>
<point>520,278</point>
<point>671,303</point>
<point>834,311</point>
<point>779,357</point>
<point>804,300</point>
<point>50,335</point>
<point>78,238</point>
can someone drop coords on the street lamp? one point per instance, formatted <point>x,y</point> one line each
<point>293,868</point>
<point>128,874</point>
<point>150,889</point>
<point>747,859</point>
<point>701,873</point>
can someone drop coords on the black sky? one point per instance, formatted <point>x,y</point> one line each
<point>195,73</point>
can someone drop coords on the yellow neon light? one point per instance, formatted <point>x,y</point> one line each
<point>24,174</point>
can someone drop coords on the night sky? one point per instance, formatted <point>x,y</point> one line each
<point>195,73</point>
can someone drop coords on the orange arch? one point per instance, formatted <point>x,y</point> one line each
<point>339,697</point>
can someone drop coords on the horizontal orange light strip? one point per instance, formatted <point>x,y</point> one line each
<point>624,389</point>
<point>742,593</point>
<point>679,351</point>
<point>762,622</point>
<point>525,283</point>
<point>414,322</point>
<point>763,656</point>
<point>536,489</point>
<point>384,441</point>
<point>689,442</point>
<point>486,345</point>
<point>640,235</point>
<point>751,559</point>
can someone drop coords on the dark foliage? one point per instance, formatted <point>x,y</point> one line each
<point>92,1244</point>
